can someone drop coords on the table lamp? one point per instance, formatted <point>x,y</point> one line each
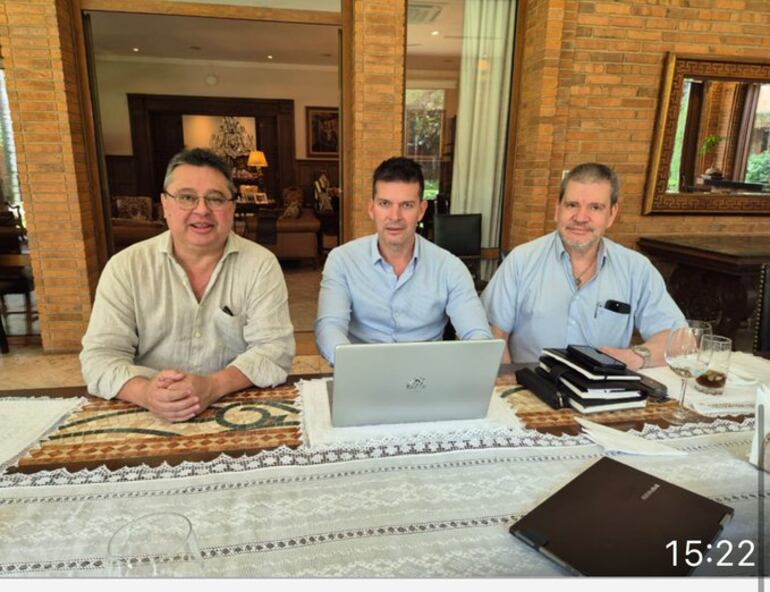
<point>258,161</point>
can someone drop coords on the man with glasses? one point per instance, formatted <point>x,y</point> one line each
<point>184,318</point>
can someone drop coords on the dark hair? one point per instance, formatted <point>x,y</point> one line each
<point>401,169</point>
<point>200,157</point>
<point>592,172</point>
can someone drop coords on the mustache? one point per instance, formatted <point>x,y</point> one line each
<point>580,227</point>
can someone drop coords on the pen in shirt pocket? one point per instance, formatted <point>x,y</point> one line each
<point>227,311</point>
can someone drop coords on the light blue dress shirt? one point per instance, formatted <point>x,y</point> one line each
<point>533,296</point>
<point>362,300</point>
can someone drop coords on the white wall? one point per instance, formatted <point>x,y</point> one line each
<point>314,86</point>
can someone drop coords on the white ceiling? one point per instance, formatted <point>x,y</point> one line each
<point>192,38</point>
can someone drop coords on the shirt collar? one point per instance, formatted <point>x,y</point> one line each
<point>166,244</point>
<point>602,255</point>
<point>375,255</point>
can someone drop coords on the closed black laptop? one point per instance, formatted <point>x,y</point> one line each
<point>614,520</point>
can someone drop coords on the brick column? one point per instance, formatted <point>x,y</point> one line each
<point>373,100</point>
<point>540,121</point>
<point>42,65</point>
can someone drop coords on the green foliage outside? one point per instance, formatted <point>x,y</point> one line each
<point>676,155</point>
<point>431,189</point>
<point>758,168</point>
<point>424,118</point>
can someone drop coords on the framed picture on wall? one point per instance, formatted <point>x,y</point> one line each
<point>322,128</point>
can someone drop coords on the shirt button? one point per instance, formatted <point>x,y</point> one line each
<point>197,334</point>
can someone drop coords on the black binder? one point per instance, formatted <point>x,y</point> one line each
<point>539,383</point>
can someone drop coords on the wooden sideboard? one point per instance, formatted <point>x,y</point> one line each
<point>712,277</point>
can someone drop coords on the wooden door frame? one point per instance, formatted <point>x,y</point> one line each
<point>195,9</point>
<point>225,11</point>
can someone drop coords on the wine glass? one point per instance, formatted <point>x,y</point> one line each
<point>155,545</point>
<point>718,350</point>
<point>684,357</point>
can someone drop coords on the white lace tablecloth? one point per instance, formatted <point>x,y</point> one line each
<point>739,395</point>
<point>380,512</point>
<point>318,432</point>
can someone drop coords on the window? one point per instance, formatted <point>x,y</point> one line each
<point>758,162</point>
<point>9,175</point>
<point>423,134</point>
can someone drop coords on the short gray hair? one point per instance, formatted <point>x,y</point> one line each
<point>200,157</point>
<point>592,172</point>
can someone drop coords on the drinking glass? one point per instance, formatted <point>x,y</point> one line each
<point>684,357</point>
<point>155,545</point>
<point>717,350</point>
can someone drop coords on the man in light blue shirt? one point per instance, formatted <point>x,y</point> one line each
<point>573,286</point>
<point>395,285</point>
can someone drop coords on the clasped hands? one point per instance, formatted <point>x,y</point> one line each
<point>178,396</point>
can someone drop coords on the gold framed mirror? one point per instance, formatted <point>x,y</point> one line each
<point>711,148</point>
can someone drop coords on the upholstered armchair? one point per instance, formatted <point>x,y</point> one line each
<point>297,229</point>
<point>133,220</point>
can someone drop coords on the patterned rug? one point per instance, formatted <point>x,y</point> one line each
<point>116,433</point>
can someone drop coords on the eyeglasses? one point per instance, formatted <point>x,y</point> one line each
<point>189,201</point>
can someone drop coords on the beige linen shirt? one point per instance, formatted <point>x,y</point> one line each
<point>146,317</point>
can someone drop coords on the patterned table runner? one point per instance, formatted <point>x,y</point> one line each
<point>116,433</point>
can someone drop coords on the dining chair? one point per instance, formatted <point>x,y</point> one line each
<point>14,279</point>
<point>460,234</point>
<point>762,312</point>
<point>4,349</point>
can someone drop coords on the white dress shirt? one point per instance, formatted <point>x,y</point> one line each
<point>146,317</point>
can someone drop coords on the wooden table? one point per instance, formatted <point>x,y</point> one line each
<point>15,259</point>
<point>390,510</point>
<point>116,434</point>
<point>252,207</point>
<point>714,276</point>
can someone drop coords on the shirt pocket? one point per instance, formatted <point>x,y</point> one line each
<point>613,329</point>
<point>229,331</point>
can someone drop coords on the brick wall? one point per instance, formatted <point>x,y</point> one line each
<point>36,41</point>
<point>590,84</point>
<point>375,32</point>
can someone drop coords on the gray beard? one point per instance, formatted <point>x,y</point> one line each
<point>580,247</point>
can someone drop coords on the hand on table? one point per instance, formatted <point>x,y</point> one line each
<point>177,396</point>
<point>196,387</point>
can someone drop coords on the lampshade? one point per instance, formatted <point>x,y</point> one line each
<point>257,159</point>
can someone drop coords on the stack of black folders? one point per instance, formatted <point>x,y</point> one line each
<point>585,379</point>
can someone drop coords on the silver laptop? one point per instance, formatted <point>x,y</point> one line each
<point>378,383</point>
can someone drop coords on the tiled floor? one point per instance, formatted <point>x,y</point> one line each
<point>28,367</point>
<point>303,283</point>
